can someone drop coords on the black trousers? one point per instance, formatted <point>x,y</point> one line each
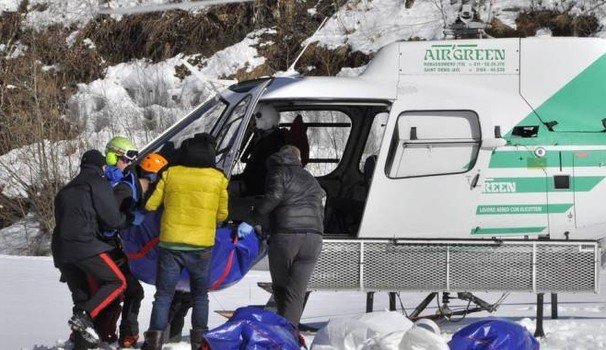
<point>292,258</point>
<point>106,322</point>
<point>110,280</point>
<point>129,325</point>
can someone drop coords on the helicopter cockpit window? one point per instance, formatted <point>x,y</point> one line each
<point>228,133</point>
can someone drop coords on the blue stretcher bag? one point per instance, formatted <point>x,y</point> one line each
<point>253,328</point>
<point>231,258</point>
<point>493,334</point>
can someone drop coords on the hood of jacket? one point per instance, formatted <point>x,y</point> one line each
<point>197,153</point>
<point>283,157</point>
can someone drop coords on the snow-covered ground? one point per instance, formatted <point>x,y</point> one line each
<point>35,306</point>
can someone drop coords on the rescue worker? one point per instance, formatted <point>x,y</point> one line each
<point>267,140</point>
<point>130,184</point>
<point>194,195</point>
<point>131,197</point>
<point>293,203</point>
<point>119,154</point>
<point>84,208</point>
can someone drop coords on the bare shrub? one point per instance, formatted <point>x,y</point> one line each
<point>330,62</point>
<point>158,36</point>
<point>32,117</point>
<point>560,22</point>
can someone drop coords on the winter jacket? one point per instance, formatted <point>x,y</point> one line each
<point>84,208</point>
<point>128,193</point>
<point>195,200</point>
<point>293,197</point>
<point>261,148</point>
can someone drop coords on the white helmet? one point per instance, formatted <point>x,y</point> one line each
<point>266,117</point>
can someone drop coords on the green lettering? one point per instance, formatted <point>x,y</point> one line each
<point>457,55</point>
<point>500,54</point>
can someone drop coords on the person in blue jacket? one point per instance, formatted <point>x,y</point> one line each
<point>130,185</point>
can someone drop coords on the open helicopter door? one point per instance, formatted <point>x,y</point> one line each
<point>224,116</point>
<point>230,130</point>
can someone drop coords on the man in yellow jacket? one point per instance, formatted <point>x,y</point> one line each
<point>194,196</point>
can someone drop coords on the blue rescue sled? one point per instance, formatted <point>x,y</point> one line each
<point>231,258</point>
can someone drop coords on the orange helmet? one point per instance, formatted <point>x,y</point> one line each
<point>153,163</point>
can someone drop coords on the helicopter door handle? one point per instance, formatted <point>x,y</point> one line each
<point>474,181</point>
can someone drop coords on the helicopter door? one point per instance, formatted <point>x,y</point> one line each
<point>230,130</point>
<point>425,186</point>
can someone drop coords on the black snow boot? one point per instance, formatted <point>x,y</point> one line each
<point>79,342</point>
<point>82,324</point>
<point>196,336</point>
<point>153,340</point>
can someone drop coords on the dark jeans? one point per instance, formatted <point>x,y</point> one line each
<point>170,264</point>
<point>178,310</point>
<point>111,283</point>
<point>292,258</point>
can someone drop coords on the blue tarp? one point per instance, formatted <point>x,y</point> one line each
<point>253,328</point>
<point>493,334</point>
<point>231,258</point>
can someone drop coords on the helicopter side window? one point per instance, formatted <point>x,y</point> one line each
<point>373,142</point>
<point>433,143</point>
<point>327,134</point>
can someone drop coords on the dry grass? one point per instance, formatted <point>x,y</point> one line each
<point>560,24</point>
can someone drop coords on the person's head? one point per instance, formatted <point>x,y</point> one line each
<point>120,152</point>
<point>151,165</point>
<point>198,151</point>
<point>93,158</point>
<point>291,151</point>
<point>266,117</point>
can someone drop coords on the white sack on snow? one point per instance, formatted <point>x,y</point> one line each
<point>361,332</point>
<point>377,331</point>
<point>419,338</point>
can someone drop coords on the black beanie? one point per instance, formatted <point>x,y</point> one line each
<point>93,157</point>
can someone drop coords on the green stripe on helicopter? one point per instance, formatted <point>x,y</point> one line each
<point>537,184</point>
<point>552,159</point>
<point>578,108</point>
<point>517,209</point>
<point>506,230</point>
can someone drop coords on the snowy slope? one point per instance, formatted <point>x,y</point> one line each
<point>34,309</point>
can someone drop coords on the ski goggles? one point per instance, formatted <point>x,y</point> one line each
<point>130,155</point>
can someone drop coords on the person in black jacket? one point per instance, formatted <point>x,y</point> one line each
<point>267,140</point>
<point>85,208</point>
<point>293,202</point>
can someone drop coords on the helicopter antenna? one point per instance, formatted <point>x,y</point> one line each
<point>291,69</point>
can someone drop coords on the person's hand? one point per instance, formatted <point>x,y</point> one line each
<point>244,230</point>
<point>138,218</point>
